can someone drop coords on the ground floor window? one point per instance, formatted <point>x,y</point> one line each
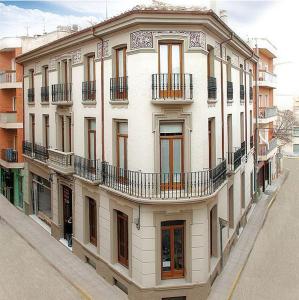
<point>172,249</point>
<point>296,148</point>
<point>122,239</point>
<point>92,212</point>
<point>7,184</point>
<point>42,198</point>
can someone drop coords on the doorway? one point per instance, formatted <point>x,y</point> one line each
<point>67,214</point>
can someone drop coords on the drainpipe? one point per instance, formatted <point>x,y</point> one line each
<point>245,94</point>
<point>222,95</point>
<point>102,95</point>
<point>256,123</point>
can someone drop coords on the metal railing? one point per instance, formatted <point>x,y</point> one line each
<point>28,148</point>
<point>62,93</point>
<point>234,159</point>
<point>44,91</point>
<point>9,155</point>
<point>265,149</point>
<point>230,91</point>
<point>164,185</point>
<point>119,88</point>
<point>40,152</point>
<point>267,112</point>
<point>251,142</point>
<point>30,95</point>
<point>243,148</point>
<point>212,88</point>
<point>8,76</point>
<point>242,93</point>
<point>88,169</point>
<point>267,76</point>
<point>172,86</point>
<point>88,91</point>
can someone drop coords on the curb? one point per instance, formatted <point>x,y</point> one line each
<point>83,294</point>
<point>273,198</point>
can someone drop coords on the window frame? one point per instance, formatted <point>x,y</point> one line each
<point>123,260</point>
<point>89,133</point>
<point>46,130</point>
<point>125,137</point>
<point>92,221</point>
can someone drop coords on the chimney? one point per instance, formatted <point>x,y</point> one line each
<point>223,15</point>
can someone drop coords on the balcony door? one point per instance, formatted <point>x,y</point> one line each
<point>91,139</point>
<point>91,68</point>
<point>122,141</point>
<point>121,73</point>
<point>171,155</point>
<point>170,69</point>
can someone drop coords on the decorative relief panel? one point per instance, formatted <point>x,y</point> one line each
<point>235,60</point>
<point>105,49</point>
<point>76,57</point>
<point>144,39</point>
<point>52,64</point>
<point>37,67</point>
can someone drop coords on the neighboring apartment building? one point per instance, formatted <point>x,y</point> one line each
<point>139,143</point>
<point>267,112</point>
<point>11,110</point>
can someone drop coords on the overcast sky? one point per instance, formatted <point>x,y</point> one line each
<point>275,20</point>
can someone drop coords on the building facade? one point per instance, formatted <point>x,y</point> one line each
<point>266,113</point>
<point>139,145</point>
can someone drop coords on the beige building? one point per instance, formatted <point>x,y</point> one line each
<point>138,144</point>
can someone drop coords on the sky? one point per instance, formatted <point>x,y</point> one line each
<point>275,20</point>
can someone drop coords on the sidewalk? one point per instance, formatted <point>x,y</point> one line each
<point>82,276</point>
<point>225,283</point>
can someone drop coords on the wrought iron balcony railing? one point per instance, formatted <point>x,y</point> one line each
<point>35,151</point>
<point>251,142</point>
<point>242,93</point>
<point>9,155</point>
<point>164,185</point>
<point>234,159</point>
<point>62,93</point>
<point>88,169</point>
<point>44,91</point>
<point>30,95</point>
<point>230,91</point>
<point>267,112</point>
<point>28,148</point>
<point>172,86</point>
<point>212,88</point>
<point>119,88</point>
<point>243,148</point>
<point>89,91</point>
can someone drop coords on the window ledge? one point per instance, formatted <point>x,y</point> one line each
<point>31,103</point>
<point>212,101</point>
<point>45,102</point>
<point>173,282</point>
<point>121,269</point>
<point>92,248</point>
<point>119,102</point>
<point>89,102</point>
<point>172,101</point>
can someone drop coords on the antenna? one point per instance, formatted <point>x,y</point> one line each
<point>106,9</point>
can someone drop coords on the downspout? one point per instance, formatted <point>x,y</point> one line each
<point>102,95</point>
<point>256,124</point>
<point>222,95</point>
<point>245,94</point>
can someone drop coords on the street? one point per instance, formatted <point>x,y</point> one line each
<point>25,274</point>
<point>272,268</point>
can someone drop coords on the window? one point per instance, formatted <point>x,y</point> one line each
<point>241,74</point>
<point>91,75</point>
<point>32,130</point>
<point>229,133</point>
<point>14,103</point>
<point>122,239</point>
<point>229,69</point>
<point>171,155</point>
<point>172,249</point>
<point>242,136</point>
<point>46,131</point>
<point>121,68</point>
<point>61,118</point>
<point>31,79</point>
<point>91,133</point>
<point>213,231</point>
<point>243,190</point>
<point>231,207</point>
<point>92,212</point>
<point>296,148</point>
<point>45,76</point>
<point>296,131</point>
<point>170,69</point>
<point>122,141</point>
<point>210,61</point>
<point>211,138</point>
<point>250,123</point>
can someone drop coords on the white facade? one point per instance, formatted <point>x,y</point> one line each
<point>144,116</point>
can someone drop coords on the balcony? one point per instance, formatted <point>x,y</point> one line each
<point>242,93</point>
<point>8,80</point>
<point>267,114</point>
<point>62,94</point>
<point>35,151</point>
<point>88,91</point>
<point>173,88</point>
<point>119,89</point>
<point>61,162</point>
<point>267,79</point>
<point>9,158</point>
<point>44,92</point>
<point>234,159</point>
<point>28,149</point>
<point>8,120</point>
<point>266,151</point>
<point>90,170</point>
<point>165,186</point>
<point>212,88</point>
<point>230,91</point>
<point>30,96</point>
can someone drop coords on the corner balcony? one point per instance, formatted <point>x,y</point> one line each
<point>8,80</point>
<point>62,94</point>
<point>176,88</point>
<point>267,114</point>
<point>8,120</point>
<point>164,186</point>
<point>267,79</point>
<point>88,170</point>
<point>9,159</point>
<point>267,151</point>
<point>61,162</point>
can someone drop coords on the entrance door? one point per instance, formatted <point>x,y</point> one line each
<point>67,213</point>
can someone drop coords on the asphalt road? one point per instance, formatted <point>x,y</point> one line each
<point>24,274</point>
<point>272,268</point>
